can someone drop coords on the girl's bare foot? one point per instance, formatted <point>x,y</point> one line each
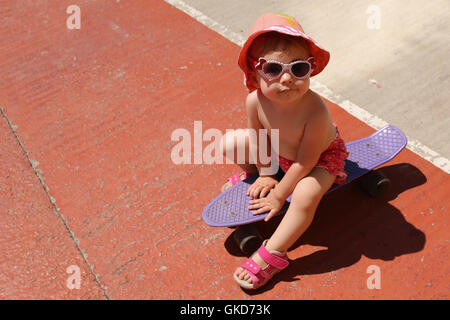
<point>276,261</point>
<point>242,274</point>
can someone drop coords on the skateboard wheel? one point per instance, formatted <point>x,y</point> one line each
<point>375,184</point>
<point>247,238</point>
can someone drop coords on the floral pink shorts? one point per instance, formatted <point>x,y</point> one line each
<point>331,159</point>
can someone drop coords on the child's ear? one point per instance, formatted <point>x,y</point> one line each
<point>252,79</point>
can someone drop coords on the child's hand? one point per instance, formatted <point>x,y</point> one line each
<point>270,203</point>
<point>262,186</point>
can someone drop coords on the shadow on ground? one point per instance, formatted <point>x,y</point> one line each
<point>351,224</point>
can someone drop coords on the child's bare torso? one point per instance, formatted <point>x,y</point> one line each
<point>291,125</point>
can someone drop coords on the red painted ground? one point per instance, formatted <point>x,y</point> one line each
<point>96,108</point>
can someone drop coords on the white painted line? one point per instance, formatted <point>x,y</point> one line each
<point>207,21</point>
<point>356,111</point>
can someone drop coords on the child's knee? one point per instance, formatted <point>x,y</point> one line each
<point>306,196</point>
<point>235,145</point>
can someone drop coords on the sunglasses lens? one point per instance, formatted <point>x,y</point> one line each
<point>300,69</point>
<point>272,69</point>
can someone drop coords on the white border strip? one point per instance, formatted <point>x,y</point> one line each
<point>207,21</point>
<point>356,111</point>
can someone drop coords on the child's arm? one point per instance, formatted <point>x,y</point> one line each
<point>253,122</point>
<point>262,186</point>
<point>311,147</point>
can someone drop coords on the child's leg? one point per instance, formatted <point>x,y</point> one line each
<point>236,143</point>
<point>305,199</point>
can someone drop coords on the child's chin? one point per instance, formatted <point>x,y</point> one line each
<point>288,95</point>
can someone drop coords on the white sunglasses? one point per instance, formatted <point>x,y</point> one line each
<point>272,69</point>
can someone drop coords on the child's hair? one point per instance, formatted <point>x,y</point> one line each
<point>274,40</point>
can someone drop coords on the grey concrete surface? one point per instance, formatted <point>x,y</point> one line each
<point>399,72</point>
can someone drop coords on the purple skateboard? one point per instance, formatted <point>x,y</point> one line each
<point>230,208</point>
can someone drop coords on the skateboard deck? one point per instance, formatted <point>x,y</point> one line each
<point>230,208</point>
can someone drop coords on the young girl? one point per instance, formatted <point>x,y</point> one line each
<point>278,60</point>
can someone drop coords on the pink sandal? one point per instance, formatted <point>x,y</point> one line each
<point>235,178</point>
<point>276,261</point>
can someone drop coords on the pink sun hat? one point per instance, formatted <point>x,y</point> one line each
<point>285,24</point>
